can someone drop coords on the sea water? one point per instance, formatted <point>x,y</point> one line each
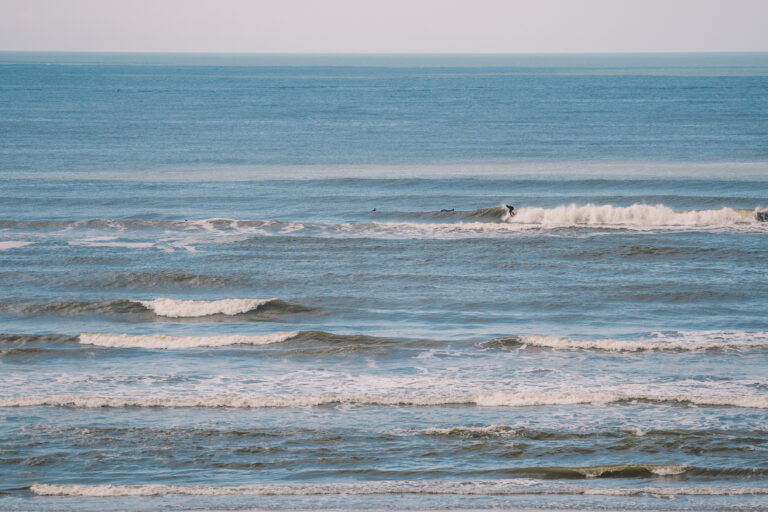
<point>291,282</point>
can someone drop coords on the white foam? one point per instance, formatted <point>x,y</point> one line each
<point>493,430</point>
<point>637,216</point>
<point>10,244</point>
<point>485,399</point>
<point>668,470</point>
<point>173,342</point>
<point>109,242</point>
<point>174,308</point>
<point>525,399</point>
<point>515,399</point>
<point>690,341</point>
<point>428,487</point>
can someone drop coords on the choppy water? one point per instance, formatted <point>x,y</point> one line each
<point>200,308</point>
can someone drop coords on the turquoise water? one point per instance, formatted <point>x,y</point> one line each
<point>281,282</point>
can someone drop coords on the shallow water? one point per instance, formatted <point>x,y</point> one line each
<point>200,304</point>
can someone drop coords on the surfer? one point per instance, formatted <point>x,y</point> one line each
<point>445,210</point>
<point>511,210</point>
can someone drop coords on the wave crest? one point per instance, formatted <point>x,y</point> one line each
<point>162,308</point>
<point>322,343</point>
<point>160,341</point>
<point>485,222</point>
<point>174,308</point>
<point>637,216</point>
<point>509,487</point>
<point>685,341</point>
<point>484,399</point>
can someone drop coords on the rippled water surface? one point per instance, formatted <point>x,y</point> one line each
<point>271,284</point>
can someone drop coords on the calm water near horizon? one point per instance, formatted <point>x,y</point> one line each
<point>291,282</point>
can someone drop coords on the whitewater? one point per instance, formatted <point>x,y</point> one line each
<point>487,399</point>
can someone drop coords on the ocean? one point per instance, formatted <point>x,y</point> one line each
<point>280,282</point>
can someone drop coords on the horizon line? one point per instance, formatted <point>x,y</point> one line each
<point>164,52</point>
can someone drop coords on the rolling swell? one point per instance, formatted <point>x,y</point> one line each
<point>294,343</point>
<point>315,343</point>
<point>491,214</point>
<point>278,447</point>
<point>27,346</point>
<point>321,343</point>
<point>165,280</point>
<point>606,471</point>
<point>679,444</point>
<point>162,308</point>
<point>35,339</point>
<point>25,353</point>
<point>676,437</point>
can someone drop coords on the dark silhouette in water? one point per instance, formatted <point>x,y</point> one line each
<point>511,210</point>
<point>444,210</point>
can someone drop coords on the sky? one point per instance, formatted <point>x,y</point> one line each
<point>384,26</point>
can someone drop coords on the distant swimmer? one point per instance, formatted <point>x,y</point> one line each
<point>511,210</point>
<point>444,210</point>
<point>373,210</point>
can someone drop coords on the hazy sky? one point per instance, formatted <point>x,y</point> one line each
<point>388,26</point>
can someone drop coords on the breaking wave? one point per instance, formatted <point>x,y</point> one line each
<point>678,341</point>
<point>159,341</point>
<point>492,221</point>
<point>483,399</point>
<point>637,216</point>
<point>428,487</point>
<point>174,308</point>
<point>496,220</point>
<point>162,307</point>
<point>320,343</point>
<point>302,342</point>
